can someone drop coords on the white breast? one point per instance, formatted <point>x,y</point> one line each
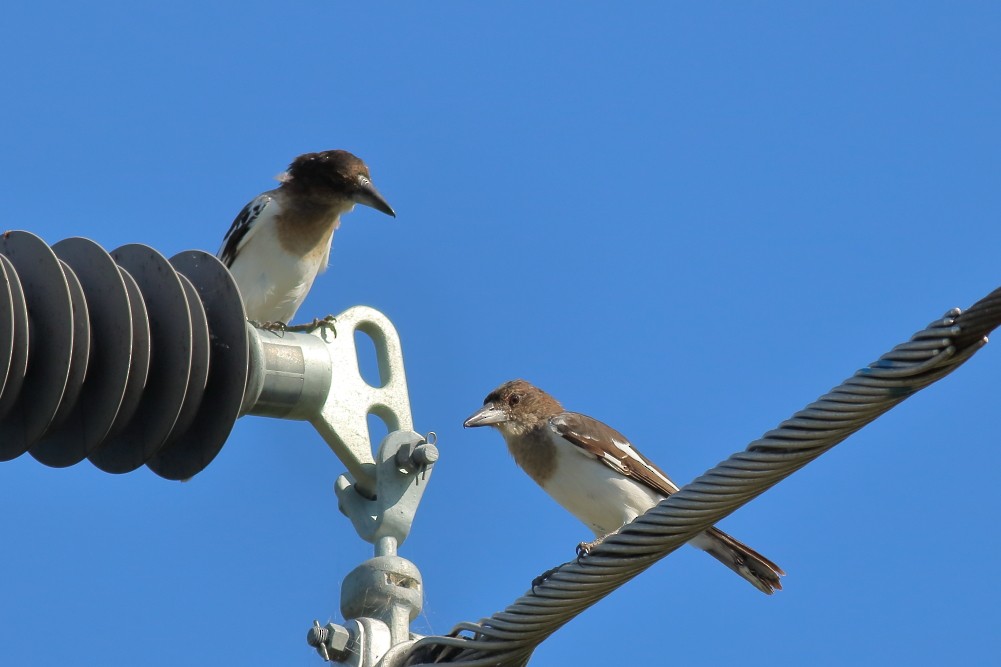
<point>273,282</point>
<point>594,493</point>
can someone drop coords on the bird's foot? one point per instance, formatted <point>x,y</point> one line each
<point>584,548</point>
<point>544,577</point>
<point>270,326</point>
<point>324,323</point>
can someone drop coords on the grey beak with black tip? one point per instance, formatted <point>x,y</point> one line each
<point>367,195</point>
<point>486,416</point>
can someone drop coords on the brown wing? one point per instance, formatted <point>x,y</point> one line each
<point>611,448</point>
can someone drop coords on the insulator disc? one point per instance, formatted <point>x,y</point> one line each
<point>80,358</point>
<point>170,362</point>
<point>6,327</point>
<point>50,314</point>
<point>189,452</point>
<point>19,347</point>
<point>112,354</point>
<point>141,352</point>
<point>199,360</point>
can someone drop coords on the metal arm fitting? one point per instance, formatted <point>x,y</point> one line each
<point>315,377</point>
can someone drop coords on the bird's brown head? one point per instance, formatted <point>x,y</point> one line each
<point>332,176</point>
<point>515,407</point>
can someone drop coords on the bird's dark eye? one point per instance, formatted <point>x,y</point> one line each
<point>514,399</point>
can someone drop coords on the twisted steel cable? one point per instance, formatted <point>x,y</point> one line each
<point>509,637</point>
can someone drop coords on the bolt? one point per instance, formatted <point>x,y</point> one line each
<point>425,455</point>
<point>330,641</point>
<point>413,457</point>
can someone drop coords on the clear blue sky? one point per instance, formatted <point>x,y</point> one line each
<point>687,221</point>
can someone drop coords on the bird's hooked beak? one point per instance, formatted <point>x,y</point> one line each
<point>369,196</point>
<point>488,415</point>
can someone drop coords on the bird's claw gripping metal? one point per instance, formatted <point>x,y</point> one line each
<point>584,548</point>
<point>544,577</point>
<point>273,327</point>
<point>321,324</point>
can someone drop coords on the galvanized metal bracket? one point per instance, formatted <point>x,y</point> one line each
<point>405,464</point>
<point>316,377</point>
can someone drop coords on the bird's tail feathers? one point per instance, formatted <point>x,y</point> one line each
<point>742,559</point>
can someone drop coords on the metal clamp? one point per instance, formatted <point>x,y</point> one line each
<point>405,463</point>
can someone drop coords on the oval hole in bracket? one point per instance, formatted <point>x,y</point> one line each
<point>368,359</point>
<point>378,429</point>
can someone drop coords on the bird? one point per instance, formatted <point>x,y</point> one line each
<point>281,240</point>
<point>596,474</point>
